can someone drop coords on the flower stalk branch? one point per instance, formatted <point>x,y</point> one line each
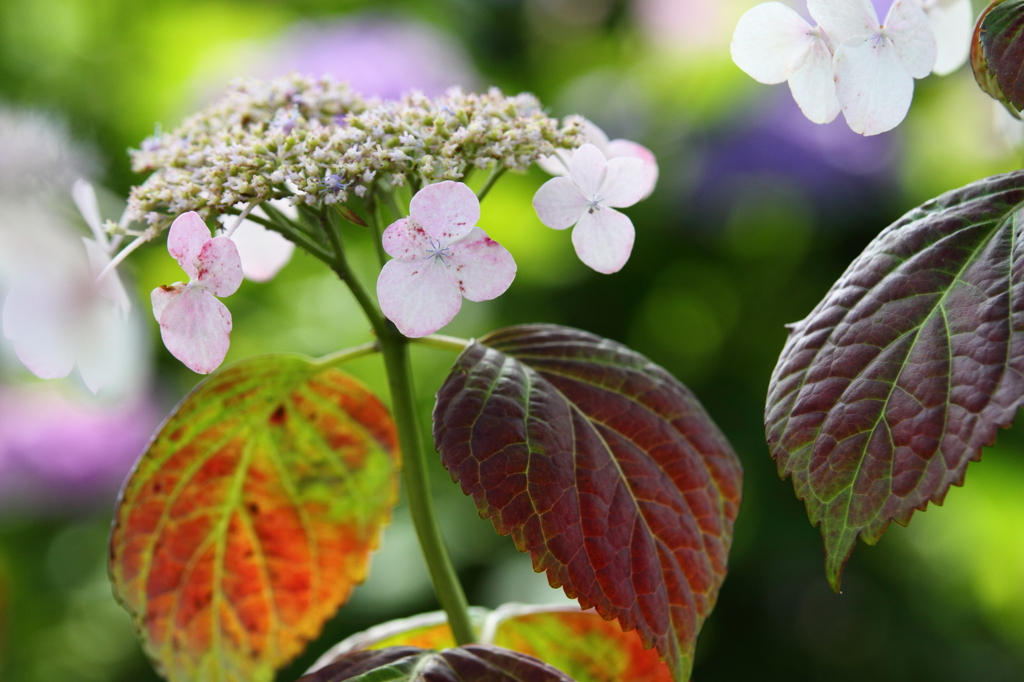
<point>395,350</point>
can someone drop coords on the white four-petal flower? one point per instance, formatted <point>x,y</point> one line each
<point>439,256</point>
<point>850,61</point>
<point>194,325</point>
<point>558,163</point>
<point>596,186</point>
<point>773,44</point>
<point>875,64</point>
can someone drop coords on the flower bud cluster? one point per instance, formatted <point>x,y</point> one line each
<point>316,140</point>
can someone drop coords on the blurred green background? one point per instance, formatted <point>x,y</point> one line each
<point>756,214</point>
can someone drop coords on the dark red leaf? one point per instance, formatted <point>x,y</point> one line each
<point>473,663</point>
<point>903,372</point>
<point>997,53</point>
<point>601,465</point>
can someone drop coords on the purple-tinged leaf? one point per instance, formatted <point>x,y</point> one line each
<point>997,53</point>
<point>601,465</point>
<point>473,663</point>
<point>896,380</point>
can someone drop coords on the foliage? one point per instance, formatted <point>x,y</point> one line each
<point>602,466</point>
<point>251,516</point>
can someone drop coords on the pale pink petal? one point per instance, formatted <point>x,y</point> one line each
<point>604,240</point>
<point>953,26</point>
<point>769,39</point>
<point>85,199</point>
<point>911,33</point>
<point>263,252</point>
<point>37,318</point>
<point>559,204</point>
<point>418,297</point>
<point>587,170</point>
<point>220,267</point>
<point>162,295</point>
<point>873,88</point>
<point>626,182</point>
<point>102,347</point>
<point>110,287</point>
<point>814,87</point>
<point>196,329</point>
<point>446,210</point>
<point>558,163</point>
<point>844,20</point>
<point>628,148</point>
<point>186,238</point>
<point>406,240</point>
<point>480,267</point>
<point>593,134</point>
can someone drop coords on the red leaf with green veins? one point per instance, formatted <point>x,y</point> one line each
<point>601,465</point>
<point>472,663</point>
<point>251,516</point>
<point>905,370</point>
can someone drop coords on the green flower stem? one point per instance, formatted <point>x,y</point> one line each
<point>377,227</point>
<point>442,342</point>
<point>395,349</point>
<point>496,173</point>
<point>296,236</point>
<point>343,356</point>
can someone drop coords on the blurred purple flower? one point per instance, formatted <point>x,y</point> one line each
<point>838,170</point>
<point>378,56</point>
<point>56,453</point>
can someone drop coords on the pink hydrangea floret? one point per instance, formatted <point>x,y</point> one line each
<point>440,256</point>
<point>195,326</point>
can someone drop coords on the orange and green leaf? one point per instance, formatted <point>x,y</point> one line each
<point>471,663</point>
<point>581,644</point>
<point>251,516</point>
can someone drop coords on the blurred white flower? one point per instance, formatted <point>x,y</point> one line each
<point>952,22</point>
<point>53,309</point>
<point>55,312</point>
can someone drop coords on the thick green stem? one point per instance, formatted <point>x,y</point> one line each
<point>417,488</point>
<point>395,349</point>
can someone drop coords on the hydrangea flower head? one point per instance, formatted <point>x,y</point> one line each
<point>194,325</point>
<point>321,142</point>
<point>440,256</point>
<point>587,198</point>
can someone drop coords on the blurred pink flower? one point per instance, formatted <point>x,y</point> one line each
<point>56,452</point>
